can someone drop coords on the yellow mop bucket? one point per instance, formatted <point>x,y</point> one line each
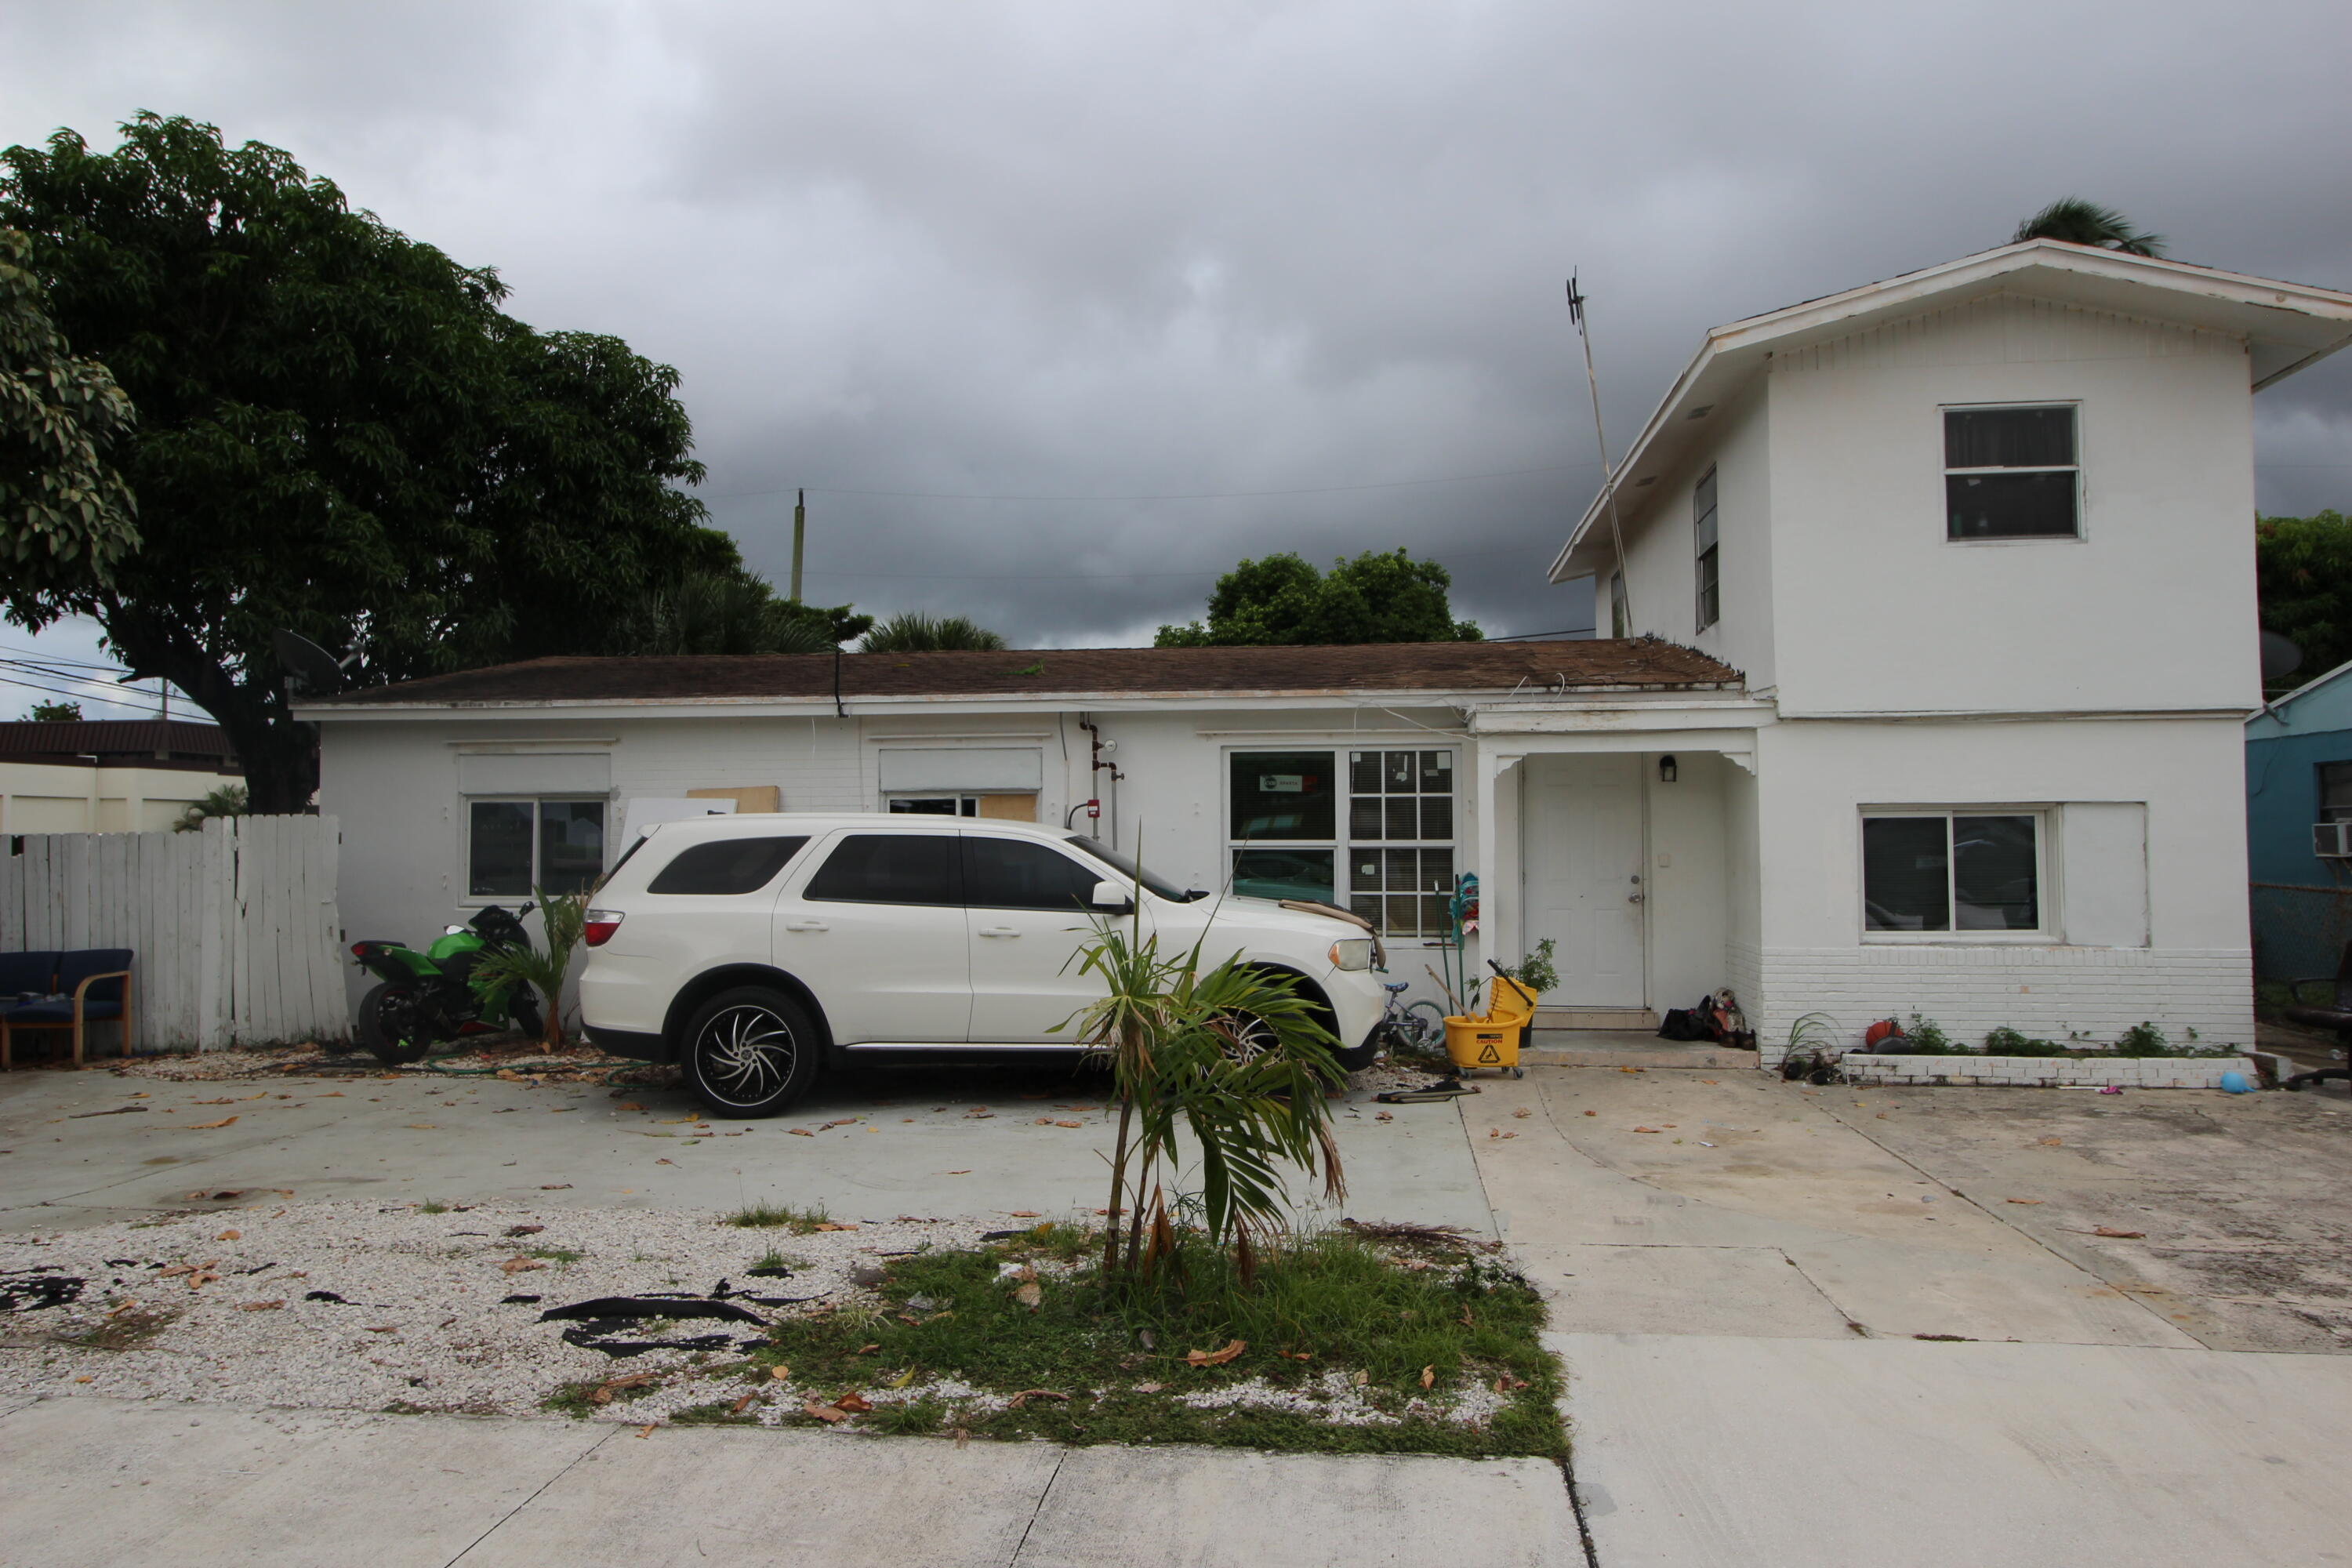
<point>1493,1040</point>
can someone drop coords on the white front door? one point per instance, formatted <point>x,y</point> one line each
<point>1582,829</point>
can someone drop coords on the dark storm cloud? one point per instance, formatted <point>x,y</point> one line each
<point>907,254</point>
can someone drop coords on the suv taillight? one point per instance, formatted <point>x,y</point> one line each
<point>597,927</point>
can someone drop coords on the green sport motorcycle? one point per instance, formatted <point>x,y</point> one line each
<point>430,997</point>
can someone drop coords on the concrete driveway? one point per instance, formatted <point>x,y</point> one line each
<point>1833,1328</point>
<point>934,1143</point>
<point>1821,1327</point>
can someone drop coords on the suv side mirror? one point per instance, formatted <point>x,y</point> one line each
<point>1112,897</point>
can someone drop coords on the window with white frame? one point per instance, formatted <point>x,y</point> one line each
<point>1956,870</point>
<point>1388,852</point>
<point>1710,593</point>
<point>516,847</point>
<point>2012,473</point>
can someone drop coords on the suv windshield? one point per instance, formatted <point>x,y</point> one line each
<point>1130,871</point>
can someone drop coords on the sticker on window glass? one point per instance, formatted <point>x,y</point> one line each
<point>1282,783</point>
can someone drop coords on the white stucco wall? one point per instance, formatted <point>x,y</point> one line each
<point>395,785</point>
<point>2194,970</point>
<point>56,797</point>
<point>2153,607</point>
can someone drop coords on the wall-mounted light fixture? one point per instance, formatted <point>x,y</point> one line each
<point>1665,770</point>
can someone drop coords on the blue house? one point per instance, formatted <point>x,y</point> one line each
<point>2299,827</point>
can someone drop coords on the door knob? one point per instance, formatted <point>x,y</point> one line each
<point>806,925</point>
<point>1632,897</point>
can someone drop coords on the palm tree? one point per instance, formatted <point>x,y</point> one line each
<point>724,612</point>
<point>912,631</point>
<point>2078,222</point>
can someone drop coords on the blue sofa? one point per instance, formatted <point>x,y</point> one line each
<point>69,989</point>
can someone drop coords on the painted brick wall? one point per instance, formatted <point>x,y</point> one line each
<point>1971,990</point>
<point>2043,1072</point>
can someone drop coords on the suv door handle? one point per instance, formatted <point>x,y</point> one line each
<point>998,930</point>
<point>806,925</point>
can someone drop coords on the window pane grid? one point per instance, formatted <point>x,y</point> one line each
<point>1395,864</point>
<point>514,848</point>
<point>1951,871</point>
<point>1710,600</point>
<point>2010,473</point>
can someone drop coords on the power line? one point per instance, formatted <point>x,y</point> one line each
<point>1187,495</point>
<point>80,696</point>
<point>37,656</point>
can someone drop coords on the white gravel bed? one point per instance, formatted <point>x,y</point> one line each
<point>422,1324</point>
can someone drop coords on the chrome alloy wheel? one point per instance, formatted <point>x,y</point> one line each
<point>745,1054</point>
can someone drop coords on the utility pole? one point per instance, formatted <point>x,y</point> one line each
<point>799,540</point>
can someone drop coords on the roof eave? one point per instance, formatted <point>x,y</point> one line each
<point>823,705</point>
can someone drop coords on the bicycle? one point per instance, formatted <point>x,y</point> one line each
<point>1415,1029</point>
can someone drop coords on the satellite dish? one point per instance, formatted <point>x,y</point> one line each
<point>307,665</point>
<point>2281,656</point>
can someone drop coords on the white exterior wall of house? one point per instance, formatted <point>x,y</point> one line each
<point>2151,608</point>
<point>399,783</point>
<point>2143,882</point>
<point>1661,545</point>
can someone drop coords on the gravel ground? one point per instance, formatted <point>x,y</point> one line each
<point>358,1306</point>
<point>423,1323</point>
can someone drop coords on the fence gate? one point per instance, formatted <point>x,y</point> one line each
<point>233,930</point>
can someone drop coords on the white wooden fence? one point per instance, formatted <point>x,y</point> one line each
<point>233,930</point>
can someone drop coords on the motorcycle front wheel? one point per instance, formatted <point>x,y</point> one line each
<point>392,1027</point>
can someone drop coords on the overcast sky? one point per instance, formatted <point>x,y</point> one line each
<point>1058,309</point>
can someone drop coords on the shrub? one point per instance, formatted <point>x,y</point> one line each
<point>2143,1039</point>
<point>1924,1038</point>
<point>2007,1042</point>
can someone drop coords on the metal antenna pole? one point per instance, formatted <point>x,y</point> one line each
<point>1608,469</point>
<point>799,540</point>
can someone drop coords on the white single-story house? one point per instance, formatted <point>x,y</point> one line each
<point>1343,773</point>
<point>1932,631</point>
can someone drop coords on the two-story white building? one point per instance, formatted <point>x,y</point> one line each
<point>1966,560</point>
<point>1980,540</point>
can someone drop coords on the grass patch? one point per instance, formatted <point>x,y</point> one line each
<point>127,1330</point>
<point>558,1254</point>
<point>1338,1331</point>
<point>775,1216</point>
<point>433,1205</point>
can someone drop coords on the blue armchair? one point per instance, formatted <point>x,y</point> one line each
<point>75,989</point>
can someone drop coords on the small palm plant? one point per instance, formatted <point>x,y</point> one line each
<point>562,915</point>
<point>227,801</point>
<point>1235,1058</point>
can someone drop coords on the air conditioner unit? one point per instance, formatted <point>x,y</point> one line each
<point>2332,840</point>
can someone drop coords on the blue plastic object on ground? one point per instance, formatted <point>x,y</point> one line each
<point>2235,1083</point>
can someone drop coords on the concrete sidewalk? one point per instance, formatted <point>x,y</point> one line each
<point>1721,1452</point>
<point>101,1482</point>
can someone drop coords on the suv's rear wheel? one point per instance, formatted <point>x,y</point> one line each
<point>750,1052</point>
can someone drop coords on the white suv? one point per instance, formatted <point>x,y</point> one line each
<point>748,948</point>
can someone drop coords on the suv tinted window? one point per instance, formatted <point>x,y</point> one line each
<point>889,868</point>
<point>728,866</point>
<point>1014,874</point>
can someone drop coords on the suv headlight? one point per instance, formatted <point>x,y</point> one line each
<point>1352,952</point>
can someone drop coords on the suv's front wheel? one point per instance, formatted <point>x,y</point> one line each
<point>750,1052</point>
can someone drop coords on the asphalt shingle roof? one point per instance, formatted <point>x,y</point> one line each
<point>1639,662</point>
